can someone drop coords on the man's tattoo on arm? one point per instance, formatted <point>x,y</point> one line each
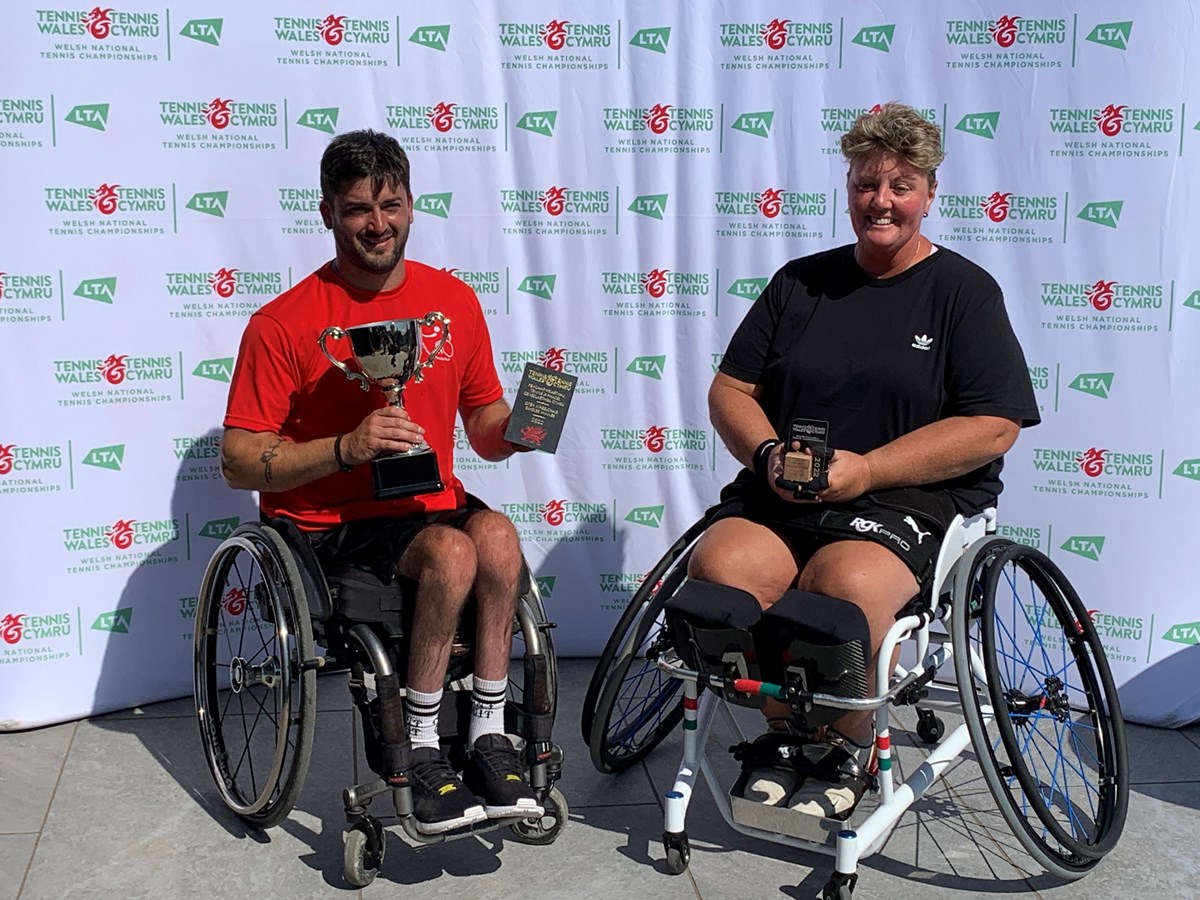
<point>269,454</point>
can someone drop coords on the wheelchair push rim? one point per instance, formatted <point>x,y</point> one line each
<point>1055,756</point>
<point>255,695</point>
<point>639,704</point>
<point>611,655</point>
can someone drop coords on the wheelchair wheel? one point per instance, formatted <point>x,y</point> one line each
<point>631,705</point>
<point>1040,705</point>
<point>255,694</point>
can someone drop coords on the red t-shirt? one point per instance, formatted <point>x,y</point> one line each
<point>284,384</point>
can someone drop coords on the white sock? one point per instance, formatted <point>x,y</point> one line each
<point>487,708</point>
<point>421,717</point>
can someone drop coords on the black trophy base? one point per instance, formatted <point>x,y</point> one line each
<point>406,474</point>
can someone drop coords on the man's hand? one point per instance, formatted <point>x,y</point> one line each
<point>517,448</point>
<point>387,430</point>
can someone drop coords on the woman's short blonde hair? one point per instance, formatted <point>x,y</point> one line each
<point>900,129</point>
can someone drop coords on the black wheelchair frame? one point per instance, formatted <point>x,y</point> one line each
<point>264,608</point>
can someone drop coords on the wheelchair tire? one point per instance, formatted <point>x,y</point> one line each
<point>254,683</point>
<point>637,705</point>
<point>1053,751</point>
<point>608,656</point>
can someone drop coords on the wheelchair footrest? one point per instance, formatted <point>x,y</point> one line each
<point>779,819</point>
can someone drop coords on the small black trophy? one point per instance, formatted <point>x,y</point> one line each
<point>805,470</point>
<point>540,408</point>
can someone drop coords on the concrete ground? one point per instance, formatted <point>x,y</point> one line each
<point>123,806</point>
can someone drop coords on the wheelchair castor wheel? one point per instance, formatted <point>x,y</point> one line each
<point>839,887</point>
<point>546,829</point>
<point>929,727</point>
<point>362,856</point>
<point>678,852</point>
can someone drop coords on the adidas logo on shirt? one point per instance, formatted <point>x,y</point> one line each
<point>921,342</point>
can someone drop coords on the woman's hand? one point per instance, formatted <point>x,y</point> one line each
<point>849,477</point>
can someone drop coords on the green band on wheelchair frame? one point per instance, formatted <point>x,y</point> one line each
<point>885,763</point>
<point>772,690</point>
<point>689,724</point>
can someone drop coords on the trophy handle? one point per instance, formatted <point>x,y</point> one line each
<point>337,334</point>
<point>432,318</point>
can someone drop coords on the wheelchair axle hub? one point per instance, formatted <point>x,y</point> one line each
<point>243,675</point>
<point>1052,701</point>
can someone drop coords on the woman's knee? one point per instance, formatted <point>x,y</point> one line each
<point>744,555</point>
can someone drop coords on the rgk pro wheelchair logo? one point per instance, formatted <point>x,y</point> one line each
<point>870,526</point>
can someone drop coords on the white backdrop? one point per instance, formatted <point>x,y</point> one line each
<point>617,181</point>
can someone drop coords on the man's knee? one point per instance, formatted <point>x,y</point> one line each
<point>444,555</point>
<point>496,543</point>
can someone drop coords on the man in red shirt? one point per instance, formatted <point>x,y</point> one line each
<point>301,433</point>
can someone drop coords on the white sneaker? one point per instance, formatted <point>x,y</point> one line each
<point>771,786</point>
<point>828,801</point>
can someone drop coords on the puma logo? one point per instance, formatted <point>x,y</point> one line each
<point>912,523</point>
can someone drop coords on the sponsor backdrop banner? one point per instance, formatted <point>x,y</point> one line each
<point>617,182</point>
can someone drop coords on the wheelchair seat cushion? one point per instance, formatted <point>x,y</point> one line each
<point>360,595</point>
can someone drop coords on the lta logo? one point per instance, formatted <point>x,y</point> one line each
<point>655,39</point>
<point>1107,213</point>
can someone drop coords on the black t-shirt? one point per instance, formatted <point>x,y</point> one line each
<point>880,357</point>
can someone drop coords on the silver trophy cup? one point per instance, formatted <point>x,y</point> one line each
<point>389,355</point>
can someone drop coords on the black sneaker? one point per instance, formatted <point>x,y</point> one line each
<point>495,774</point>
<point>440,801</point>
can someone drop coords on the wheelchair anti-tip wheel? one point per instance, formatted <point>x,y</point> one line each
<point>255,694</point>
<point>631,705</point>
<point>1040,705</point>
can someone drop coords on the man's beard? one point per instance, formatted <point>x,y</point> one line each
<point>374,262</point>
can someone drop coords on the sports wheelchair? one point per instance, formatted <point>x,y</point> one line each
<point>1038,701</point>
<point>264,607</point>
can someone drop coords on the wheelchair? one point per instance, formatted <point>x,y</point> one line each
<point>264,608</point>
<point>1039,705</point>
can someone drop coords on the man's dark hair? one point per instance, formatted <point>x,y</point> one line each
<point>363,154</point>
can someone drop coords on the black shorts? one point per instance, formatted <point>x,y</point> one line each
<point>908,521</point>
<point>376,544</point>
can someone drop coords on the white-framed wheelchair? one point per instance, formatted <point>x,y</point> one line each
<point>1038,701</point>
<point>264,609</point>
